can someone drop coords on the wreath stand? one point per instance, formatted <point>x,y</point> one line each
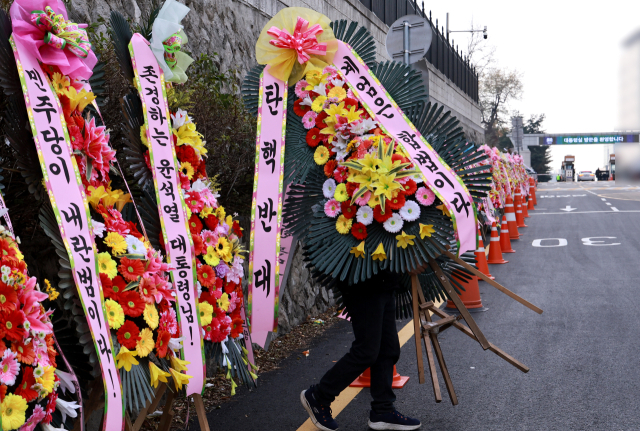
<point>427,329</point>
<point>167,411</point>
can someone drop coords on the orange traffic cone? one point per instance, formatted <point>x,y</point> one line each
<point>519,215</point>
<point>364,380</point>
<point>530,204</point>
<point>470,296</point>
<point>505,241</point>
<point>481,258</point>
<point>533,186</point>
<point>510,213</point>
<point>525,207</point>
<point>495,252</point>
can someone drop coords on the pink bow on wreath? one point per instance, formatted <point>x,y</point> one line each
<point>303,41</point>
<point>61,33</point>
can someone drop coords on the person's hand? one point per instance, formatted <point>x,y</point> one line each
<point>419,270</point>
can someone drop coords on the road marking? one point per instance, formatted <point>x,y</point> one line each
<point>608,203</point>
<point>538,242</point>
<point>603,199</point>
<point>588,212</point>
<point>568,208</point>
<point>350,393</point>
<point>616,209</point>
<point>589,241</point>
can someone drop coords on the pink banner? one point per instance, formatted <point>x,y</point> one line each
<point>71,209</point>
<point>173,215</point>
<point>266,210</point>
<point>440,178</point>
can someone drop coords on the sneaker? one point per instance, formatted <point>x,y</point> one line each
<point>392,421</point>
<point>320,415</point>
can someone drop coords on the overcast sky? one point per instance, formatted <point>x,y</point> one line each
<point>568,53</point>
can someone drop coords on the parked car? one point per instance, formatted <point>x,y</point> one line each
<point>586,176</point>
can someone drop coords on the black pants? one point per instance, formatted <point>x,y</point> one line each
<point>376,346</point>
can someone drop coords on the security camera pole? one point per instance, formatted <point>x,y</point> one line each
<point>484,32</point>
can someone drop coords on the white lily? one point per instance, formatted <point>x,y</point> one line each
<point>66,381</point>
<point>67,408</point>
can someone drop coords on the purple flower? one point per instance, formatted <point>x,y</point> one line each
<point>222,269</point>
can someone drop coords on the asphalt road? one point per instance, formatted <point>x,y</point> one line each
<point>578,261</point>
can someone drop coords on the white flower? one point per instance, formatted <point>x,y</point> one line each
<point>198,186</point>
<point>135,246</point>
<point>361,126</point>
<point>179,119</point>
<point>329,188</point>
<point>306,102</point>
<point>175,344</point>
<point>67,408</point>
<point>38,372</point>
<point>5,270</point>
<point>337,82</point>
<point>365,215</point>
<point>98,228</point>
<point>410,211</point>
<point>49,427</point>
<point>417,178</point>
<point>321,89</point>
<point>199,288</point>
<point>394,223</point>
<point>66,381</point>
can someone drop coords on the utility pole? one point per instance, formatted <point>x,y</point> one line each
<point>484,31</point>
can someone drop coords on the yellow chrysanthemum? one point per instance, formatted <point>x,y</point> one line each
<point>224,302</point>
<point>314,77</point>
<point>126,359</point>
<point>321,156</point>
<point>106,265</point>
<point>318,104</point>
<point>145,343</point>
<point>115,314</point>
<point>13,410</point>
<point>206,212</point>
<point>116,242</point>
<point>374,201</point>
<point>359,250</point>
<point>150,315</point>
<point>187,169</point>
<point>221,213</point>
<point>212,257</point>
<point>60,82</point>
<point>224,249</point>
<point>341,194</point>
<point>379,253</point>
<point>338,92</point>
<point>206,313</point>
<point>47,379</point>
<point>426,230</point>
<point>343,225</point>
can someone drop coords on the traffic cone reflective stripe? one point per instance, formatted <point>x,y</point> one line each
<point>519,215</point>
<point>505,240</point>
<point>495,252</point>
<point>511,219</point>
<point>481,258</point>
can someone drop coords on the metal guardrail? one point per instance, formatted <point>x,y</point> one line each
<point>442,54</point>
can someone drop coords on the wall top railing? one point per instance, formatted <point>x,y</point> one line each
<point>442,54</point>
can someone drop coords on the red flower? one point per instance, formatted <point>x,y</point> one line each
<point>348,103</point>
<point>147,289</point>
<point>359,231</point>
<point>300,110</point>
<point>329,167</point>
<point>75,134</point>
<point>195,225</point>
<point>51,406</point>
<point>194,201</point>
<point>320,124</point>
<point>236,327</point>
<point>162,343</point>
<point>313,137</point>
<point>131,303</point>
<point>230,287</point>
<point>115,286</point>
<point>8,298</point>
<point>219,283</point>
<point>206,276</point>
<point>187,154</point>
<point>341,174</point>
<point>211,222</point>
<point>7,253</point>
<point>395,203</point>
<point>24,388</point>
<point>202,170</point>
<point>185,184</point>
<point>24,352</point>
<point>352,188</point>
<point>128,335</point>
<point>409,188</point>
<point>10,325</point>
<point>237,229</point>
<point>198,244</point>
<point>3,392</point>
<point>348,210</point>
<point>131,269</point>
<point>379,217</point>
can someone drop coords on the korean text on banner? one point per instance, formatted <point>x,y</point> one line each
<point>65,190</point>
<point>173,216</point>
<point>266,209</point>
<point>440,178</point>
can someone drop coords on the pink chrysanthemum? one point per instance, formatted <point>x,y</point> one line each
<point>209,238</point>
<point>332,208</point>
<point>425,196</point>
<point>309,120</point>
<point>35,418</point>
<point>300,89</point>
<point>194,201</point>
<point>168,321</point>
<point>9,368</point>
<point>364,199</point>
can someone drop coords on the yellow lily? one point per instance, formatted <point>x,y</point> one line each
<point>404,240</point>
<point>178,363</point>
<point>444,210</point>
<point>126,359</point>
<point>179,379</point>
<point>386,185</point>
<point>426,230</point>
<point>353,115</point>
<point>334,110</point>
<point>359,250</point>
<point>79,100</point>
<point>157,375</point>
<point>379,253</point>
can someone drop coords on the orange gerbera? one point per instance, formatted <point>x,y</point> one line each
<point>131,269</point>
<point>24,352</point>
<point>8,298</point>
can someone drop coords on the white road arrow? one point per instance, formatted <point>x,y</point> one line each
<point>568,209</point>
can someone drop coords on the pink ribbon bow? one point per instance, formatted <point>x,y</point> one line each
<point>303,41</point>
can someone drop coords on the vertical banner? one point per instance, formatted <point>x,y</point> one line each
<point>66,193</point>
<point>149,80</point>
<point>266,208</point>
<point>440,178</point>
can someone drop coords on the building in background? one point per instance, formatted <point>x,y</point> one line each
<point>629,84</point>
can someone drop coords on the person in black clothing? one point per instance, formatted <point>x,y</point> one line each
<point>371,306</point>
<point>598,173</point>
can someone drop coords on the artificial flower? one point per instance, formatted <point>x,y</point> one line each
<point>329,168</point>
<point>364,199</point>
<point>10,325</point>
<point>131,303</point>
<point>9,368</point>
<point>179,364</point>
<point>179,379</point>
<point>223,302</point>
<point>380,215</point>
<point>126,359</point>
<point>168,321</point>
<point>157,375</point>
<point>359,231</point>
<point>12,412</point>
<point>145,343</point>
<point>211,257</point>
<point>396,202</point>
<point>393,224</point>
<point>313,137</point>
<point>150,315</point>
<point>332,208</point>
<point>329,188</point>
<point>309,120</point>
<point>379,253</point>
<point>348,210</point>
<point>25,389</point>
<point>206,275</point>
<point>343,225</point>
<point>206,313</point>
<point>321,155</point>
<point>162,343</point>
<point>444,209</point>
<point>337,92</point>
<point>115,315</point>
<point>318,104</point>
<point>425,196</point>
<point>404,240</point>
<point>409,187</point>
<point>187,170</point>
<point>131,269</point>
<point>341,193</point>
<point>8,298</point>
<point>426,230</point>
<point>135,246</point>
<point>365,215</point>
<point>374,201</point>
<point>106,265</point>
<point>47,378</point>
<point>224,249</point>
<point>116,242</point>
<point>128,335</point>
<point>359,250</point>
<point>410,211</point>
